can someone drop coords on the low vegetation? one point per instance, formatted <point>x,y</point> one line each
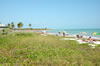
<point>29,49</point>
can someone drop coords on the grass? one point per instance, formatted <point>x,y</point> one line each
<point>28,49</point>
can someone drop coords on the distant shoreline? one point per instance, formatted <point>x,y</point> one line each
<point>32,29</point>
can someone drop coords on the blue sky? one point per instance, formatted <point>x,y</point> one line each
<point>55,14</point>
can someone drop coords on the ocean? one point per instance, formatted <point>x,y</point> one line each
<point>77,31</point>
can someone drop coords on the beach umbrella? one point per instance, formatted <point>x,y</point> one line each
<point>95,33</point>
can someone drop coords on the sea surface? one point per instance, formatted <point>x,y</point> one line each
<point>77,31</point>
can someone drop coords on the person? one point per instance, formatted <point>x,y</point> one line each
<point>64,34</point>
<point>77,36</point>
<point>59,33</point>
<point>90,40</point>
<point>81,36</point>
<point>94,40</point>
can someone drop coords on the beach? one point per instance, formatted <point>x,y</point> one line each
<point>74,32</point>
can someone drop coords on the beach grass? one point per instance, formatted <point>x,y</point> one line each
<point>29,49</point>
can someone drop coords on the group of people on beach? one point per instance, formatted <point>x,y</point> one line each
<point>58,34</point>
<point>79,37</point>
<point>63,34</point>
<point>89,39</point>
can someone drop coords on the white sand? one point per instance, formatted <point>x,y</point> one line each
<point>81,42</point>
<point>68,39</point>
<point>97,42</point>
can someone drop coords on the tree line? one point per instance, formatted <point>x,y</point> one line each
<point>19,25</point>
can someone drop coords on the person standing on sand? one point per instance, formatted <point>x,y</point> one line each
<point>78,36</point>
<point>64,34</point>
<point>59,33</point>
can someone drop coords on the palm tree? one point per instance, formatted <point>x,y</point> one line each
<point>8,25</point>
<point>30,26</point>
<point>12,25</point>
<point>20,24</point>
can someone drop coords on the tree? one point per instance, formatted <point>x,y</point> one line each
<point>12,25</point>
<point>20,24</point>
<point>8,25</point>
<point>30,25</point>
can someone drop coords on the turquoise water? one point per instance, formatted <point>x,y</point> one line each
<point>77,31</point>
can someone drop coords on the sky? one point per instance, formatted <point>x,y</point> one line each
<point>54,14</point>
